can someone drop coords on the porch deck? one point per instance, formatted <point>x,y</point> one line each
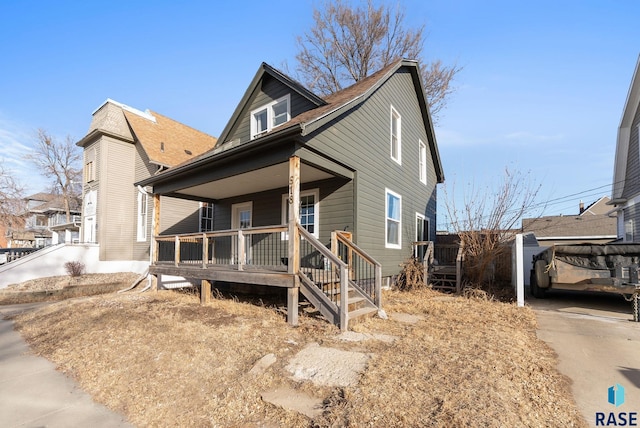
<point>227,273</point>
<point>339,282</point>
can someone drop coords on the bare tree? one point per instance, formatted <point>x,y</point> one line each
<point>11,198</point>
<point>488,219</point>
<point>61,162</point>
<point>347,43</point>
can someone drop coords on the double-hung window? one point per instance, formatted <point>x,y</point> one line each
<point>269,116</point>
<point>393,219</point>
<point>309,211</point>
<point>206,217</point>
<point>628,230</point>
<point>89,165</point>
<point>422,162</point>
<point>396,136</point>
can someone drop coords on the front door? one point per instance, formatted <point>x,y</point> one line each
<point>241,218</point>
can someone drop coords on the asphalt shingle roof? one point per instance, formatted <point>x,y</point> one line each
<point>166,141</point>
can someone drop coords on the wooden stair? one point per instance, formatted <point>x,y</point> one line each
<point>324,297</point>
<point>444,278</point>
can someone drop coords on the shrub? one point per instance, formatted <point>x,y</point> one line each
<point>74,269</point>
<point>412,275</point>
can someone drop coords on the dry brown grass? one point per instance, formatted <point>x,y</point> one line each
<point>163,360</point>
<point>65,287</point>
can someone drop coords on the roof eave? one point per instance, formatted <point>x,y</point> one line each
<point>96,133</point>
<point>185,168</point>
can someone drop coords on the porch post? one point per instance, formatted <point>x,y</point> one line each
<point>155,229</point>
<point>292,305</point>
<point>241,250</point>
<point>205,250</point>
<point>205,292</point>
<point>294,215</point>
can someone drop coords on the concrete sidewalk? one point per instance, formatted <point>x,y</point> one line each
<point>34,394</point>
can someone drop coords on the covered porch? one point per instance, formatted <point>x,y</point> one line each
<point>337,277</point>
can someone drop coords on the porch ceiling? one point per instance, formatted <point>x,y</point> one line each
<point>271,177</point>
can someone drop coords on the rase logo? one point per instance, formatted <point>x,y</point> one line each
<point>615,396</point>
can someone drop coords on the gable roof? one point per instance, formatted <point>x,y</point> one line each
<point>598,207</point>
<point>624,134</point>
<point>266,70</point>
<point>166,142</point>
<point>330,108</point>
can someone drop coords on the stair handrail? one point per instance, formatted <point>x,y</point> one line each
<point>343,268</point>
<point>340,236</point>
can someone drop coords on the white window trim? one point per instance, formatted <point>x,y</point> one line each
<point>270,115</point>
<point>236,208</point>
<point>142,217</point>
<point>422,161</point>
<point>316,211</point>
<point>388,192</point>
<point>394,113</point>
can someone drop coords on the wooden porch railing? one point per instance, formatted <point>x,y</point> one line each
<point>258,247</point>
<point>332,279</point>
<point>365,272</point>
<point>324,279</point>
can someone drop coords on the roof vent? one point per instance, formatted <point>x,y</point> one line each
<point>162,146</point>
<point>188,152</point>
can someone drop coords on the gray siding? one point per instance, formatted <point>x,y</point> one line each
<point>361,139</point>
<point>179,216</point>
<point>116,208</point>
<point>143,169</point>
<point>335,208</point>
<point>271,90</point>
<point>632,183</point>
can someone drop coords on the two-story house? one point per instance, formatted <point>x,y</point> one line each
<point>125,145</point>
<point>45,222</point>
<point>294,175</point>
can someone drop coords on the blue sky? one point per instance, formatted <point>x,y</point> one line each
<point>542,88</point>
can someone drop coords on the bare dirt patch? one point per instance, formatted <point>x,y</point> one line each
<point>162,360</point>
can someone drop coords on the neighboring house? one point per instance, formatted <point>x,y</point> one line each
<point>592,225</point>
<point>45,223</point>
<point>363,160</point>
<point>124,146</point>
<point>626,171</point>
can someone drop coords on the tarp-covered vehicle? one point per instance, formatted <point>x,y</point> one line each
<point>611,268</point>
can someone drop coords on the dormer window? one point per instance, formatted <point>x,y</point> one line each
<point>265,118</point>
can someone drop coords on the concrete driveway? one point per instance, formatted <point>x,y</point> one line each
<point>598,346</point>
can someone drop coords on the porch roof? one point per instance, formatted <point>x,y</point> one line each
<point>245,170</point>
